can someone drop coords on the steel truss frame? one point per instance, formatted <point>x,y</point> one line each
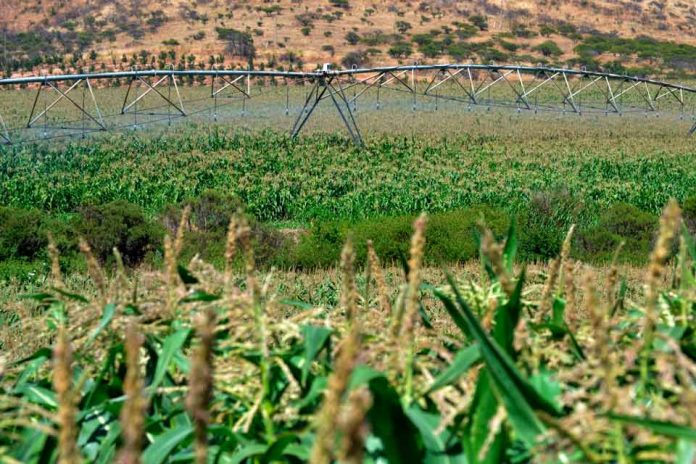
<point>171,83</point>
<point>474,88</point>
<point>472,84</point>
<point>96,118</point>
<point>328,87</point>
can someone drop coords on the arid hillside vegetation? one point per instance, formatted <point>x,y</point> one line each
<point>647,37</point>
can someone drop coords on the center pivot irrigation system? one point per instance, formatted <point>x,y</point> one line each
<point>523,88</point>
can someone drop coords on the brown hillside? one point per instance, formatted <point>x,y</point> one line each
<point>304,33</point>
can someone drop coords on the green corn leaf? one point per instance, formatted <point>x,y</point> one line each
<point>39,395</point>
<point>172,344</point>
<point>686,451</point>
<point>71,296</point>
<point>506,318</point>
<point>688,278</point>
<point>510,250</point>
<point>107,316</point>
<point>297,304</point>
<point>464,359</point>
<point>362,375</point>
<point>163,445</point>
<point>515,392</point>
<point>107,446</point>
<point>31,445</point>
<point>670,429</point>
<point>185,275</point>
<point>42,297</point>
<point>299,451</point>
<point>435,444</point>
<point>275,452</point>
<point>315,338</point>
<point>483,407</point>
<point>400,439</point>
<point>248,451</point>
<point>199,295</point>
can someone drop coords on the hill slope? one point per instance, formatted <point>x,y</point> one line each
<point>610,34</point>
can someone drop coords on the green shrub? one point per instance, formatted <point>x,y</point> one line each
<point>352,38</point>
<point>402,26</point>
<point>479,21</point>
<point>451,237</point>
<point>545,222</point>
<point>209,219</point>
<point>120,225</point>
<point>400,50</point>
<point>22,233</point>
<point>548,48</point>
<point>689,214</point>
<point>620,223</point>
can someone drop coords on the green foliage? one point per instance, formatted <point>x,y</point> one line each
<point>356,59</point>
<point>479,21</point>
<point>520,366</point>
<point>619,223</point>
<point>352,38</point>
<point>680,56</point>
<point>452,237</point>
<point>121,225</point>
<point>402,26</point>
<point>22,233</point>
<point>549,48</point>
<point>345,4</point>
<point>689,213</point>
<point>400,50</point>
<point>320,177</point>
<point>544,224</point>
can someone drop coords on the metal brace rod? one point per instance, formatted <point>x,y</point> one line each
<point>608,94</point>
<point>670,91</point>
<point>323,86</point>
<point>648,98</point>
<point>125,108</point>
<point>568,98</point>
<point>310,104</point>
<point>469,93</point>
<point>577,92</point>
<point>380,83</point>
<point>228,84</point>
<point>153,88</point>
<point>692,131</point>
<point>352,130</point>
<point>502,76</point>
<point>439,72</point>
<point>4,135</point>
<point>64,95</point>
<point>541,84</point>
<point>517,92</point>
<point>376,82</point>
<point>81,107</point>
<point>33,119</point>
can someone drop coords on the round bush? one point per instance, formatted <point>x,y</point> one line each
<point>121,225</point>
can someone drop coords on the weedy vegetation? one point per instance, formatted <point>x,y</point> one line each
<point>242,297</point>
<point>191,364</point>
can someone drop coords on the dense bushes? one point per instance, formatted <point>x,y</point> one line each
<point>119,225</point>
<point>22,233</point>
<point>545,222</point>
<point>689,214</point>
<point>620,223</point>
<point>206,228</point>
<point>451,237</point>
